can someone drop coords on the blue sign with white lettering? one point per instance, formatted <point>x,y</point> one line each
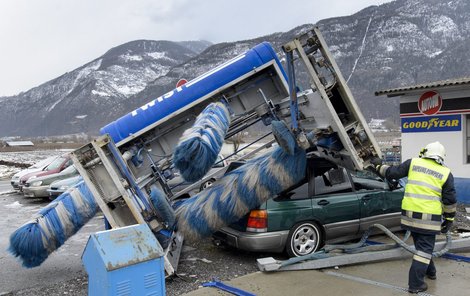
<point>440,123</point>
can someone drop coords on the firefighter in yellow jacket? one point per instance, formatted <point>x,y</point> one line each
<point>428,206</point>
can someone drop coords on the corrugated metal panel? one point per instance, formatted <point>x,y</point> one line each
<point>451,82</point>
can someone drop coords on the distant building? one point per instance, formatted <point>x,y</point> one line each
<point>377,125</point>
<point>18,143</point>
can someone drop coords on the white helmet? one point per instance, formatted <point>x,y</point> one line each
<point>434,150</point>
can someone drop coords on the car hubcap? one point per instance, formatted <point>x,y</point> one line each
<point>207,184</point>
<point>304,240</point>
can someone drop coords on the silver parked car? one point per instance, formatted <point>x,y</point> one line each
<point>37,187</point>
<point>177,183</point>
<point>60,186</point>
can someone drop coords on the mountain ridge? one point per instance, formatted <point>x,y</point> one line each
<point>394,44</point>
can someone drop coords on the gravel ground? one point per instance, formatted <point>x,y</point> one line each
<point>462,219</point>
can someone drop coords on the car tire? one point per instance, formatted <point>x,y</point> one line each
<point>304,239</point>
<point>206,184</point>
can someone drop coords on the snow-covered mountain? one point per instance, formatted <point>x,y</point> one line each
<point>398,43</point>
<point>86,98</point>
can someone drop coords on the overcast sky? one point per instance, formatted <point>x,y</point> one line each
<point>43,39</point>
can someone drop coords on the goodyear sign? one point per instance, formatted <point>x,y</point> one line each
<point>442,123</point>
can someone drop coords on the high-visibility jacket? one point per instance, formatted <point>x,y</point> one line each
<point>422,206</point>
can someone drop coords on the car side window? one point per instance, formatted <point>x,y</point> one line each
<point>55,164</point>
<point>367,184</point>
<point>333,181</point>
<point>219,163</point>
<point>366,181</point>
<point>299,192</point>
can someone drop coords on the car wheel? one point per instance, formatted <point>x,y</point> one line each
<point>207,184</point>
<point>304,238</point>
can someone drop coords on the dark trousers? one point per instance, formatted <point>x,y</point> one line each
<point>422,262</point>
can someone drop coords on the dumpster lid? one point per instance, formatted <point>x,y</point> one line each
<point>125,246</point>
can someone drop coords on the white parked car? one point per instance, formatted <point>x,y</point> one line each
<point>39,166</point>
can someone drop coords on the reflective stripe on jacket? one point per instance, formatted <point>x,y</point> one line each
<point>422,203</point>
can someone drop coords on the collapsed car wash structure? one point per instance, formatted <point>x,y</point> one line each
<point>127,170</point>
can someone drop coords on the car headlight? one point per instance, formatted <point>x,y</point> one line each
<point>36,183</point>
<point>31,178</point>
<point>64,187</point>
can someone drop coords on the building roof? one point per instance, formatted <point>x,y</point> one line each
<point>20,143</point>
<point>393,92</point>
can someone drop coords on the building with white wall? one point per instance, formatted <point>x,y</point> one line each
<point>437,111</point>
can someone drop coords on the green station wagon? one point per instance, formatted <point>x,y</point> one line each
<point>330,205</point>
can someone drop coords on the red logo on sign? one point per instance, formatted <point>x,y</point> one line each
<point>181,82</point>
<point>430,103</point>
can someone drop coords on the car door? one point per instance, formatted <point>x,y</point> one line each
<point>378,204</point>
<point>336,205</point>
<point>289,207</point>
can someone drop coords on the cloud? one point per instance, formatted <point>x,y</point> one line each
<point>41,40</point>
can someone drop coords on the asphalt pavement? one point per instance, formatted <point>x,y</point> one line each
<point>388,278</point>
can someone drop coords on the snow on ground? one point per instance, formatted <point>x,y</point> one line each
<point>24,157</point>
<point>7,171</point>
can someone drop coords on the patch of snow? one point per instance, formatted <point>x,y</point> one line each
<point>25,157</point>
<point>464,235</point>
<point>81,116</point>
<point>156,55</point>
<point>389,48</point>
<point>361,50</point>
<point>7,171</point>
<point>129,57</point>
<point>83,73</point>
<point>160,56</point>
<point>129,81</point>
<point>335,51</point>
<point>99,93</point>
<point>442,24</point>
<point>128,90</point>
<point>16,204</point>
<point>431,55</point>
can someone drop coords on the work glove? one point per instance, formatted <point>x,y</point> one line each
<point>372,168</point>
<point>376,161</point>
<point>375,165</point>
<point>446,225</point>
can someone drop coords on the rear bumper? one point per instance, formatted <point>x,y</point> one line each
<point>254,242</point>
<point>37,191</point>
